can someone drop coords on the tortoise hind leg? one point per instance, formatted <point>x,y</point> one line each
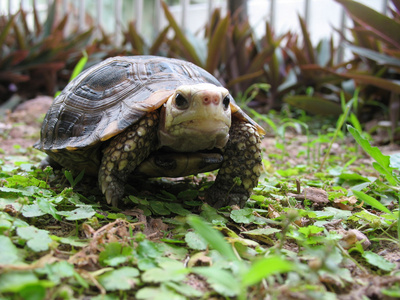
<point>124,153</point>
<point>242,159</point>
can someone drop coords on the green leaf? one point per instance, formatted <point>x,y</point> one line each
<point>310,230</point>
<point>159,208</point>
<point>37,239</point>
<point>177,208</point>
<point>371,201</point>
<point>9,253</point>
<point>158,293</point>
<point>82,212</point>
<point>378,261</point>
<point>15,281</point>
<point>244,215</point>
<point>114,254</point>
<point>221,280</point>
<point>213,237</point>
<point>124,278</point>
<point>261,231</point>
<point>174,272</point>
<point>264,268</point>
<point>57,271</point>
<point>195,241</point>
<point>184,289</point>
<point>382,160</point>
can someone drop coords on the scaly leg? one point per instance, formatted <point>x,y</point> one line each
<point>124,153</point>
<point>242,160</point>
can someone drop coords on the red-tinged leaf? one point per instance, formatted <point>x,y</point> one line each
<point>214,44</point>
<point>48,24</point>
<point>38,25</point>
<point>384,27</point>
<point>19,56</point>
<point>315,105</point>
<point>6,29</point>
<point>159,41</point>
<point>61,25</point>
<point>391,85</point>
<point>13,77</point>
<point>191,51</point>
<point>135,39</point>
<point>24,21</point>
<point>261,58</point>
<point>396,4</point>
<point>20,38</point>
<point>308,48</point>
<point>380,58</point>
<point>245,77</point>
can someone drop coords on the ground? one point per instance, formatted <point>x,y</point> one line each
<point>338,246</point>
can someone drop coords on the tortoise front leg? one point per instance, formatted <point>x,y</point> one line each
<point>242,160</point>
<point>124,153</point>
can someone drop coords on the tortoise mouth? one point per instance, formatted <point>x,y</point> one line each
<point>195,135</point>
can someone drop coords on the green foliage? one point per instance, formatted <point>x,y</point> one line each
<point>28,56</point>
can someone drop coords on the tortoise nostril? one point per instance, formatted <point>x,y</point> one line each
<point>211,99</point>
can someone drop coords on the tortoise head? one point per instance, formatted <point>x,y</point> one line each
<point>196,117</point>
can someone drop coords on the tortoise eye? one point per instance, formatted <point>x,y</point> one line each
<point>181,102</point>
<point>226,102</point>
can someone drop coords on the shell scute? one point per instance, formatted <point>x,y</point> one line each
<point>109,97</point>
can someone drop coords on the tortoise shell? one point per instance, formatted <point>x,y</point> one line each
<point>109,97</point>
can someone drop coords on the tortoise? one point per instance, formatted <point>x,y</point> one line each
<point>155,117</point>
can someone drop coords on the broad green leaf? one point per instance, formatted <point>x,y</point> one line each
<point>32,210</point>
<point>124,278</point>
<point>375,153</point>
<point>213,237</point>
<point>177,208</point>
<point>159,208</point>
<point>221,280</point>
<point>15,281</point>
<point>378,261</point>
<point>9,252</point>
<point>211,215</point>
<point>114,254</point>
<point>261,231</point>
<point>310,230</point>
<point>158,293</point>
<point>37,239</point>
<point>195,241</point>
<point>82,212</point>
<point>371,201</point>
<point>57,271</point>
<point>265,267</point>
<point>184,289</point>
<point>244,215</point>
<point>165,274</point>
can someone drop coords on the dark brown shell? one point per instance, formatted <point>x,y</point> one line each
<point>112,95</point>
